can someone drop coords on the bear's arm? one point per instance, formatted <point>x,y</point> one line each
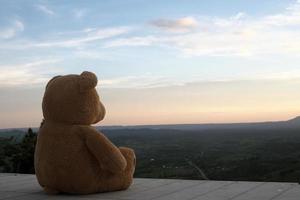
<point>107,154</point>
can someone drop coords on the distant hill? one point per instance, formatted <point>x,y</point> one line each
<point>295,121</point>
<point>17,134</point>
<point>290,124</point>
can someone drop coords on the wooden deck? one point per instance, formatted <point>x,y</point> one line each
<point>25,187</point>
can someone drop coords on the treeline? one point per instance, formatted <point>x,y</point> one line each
<point>18,157</point>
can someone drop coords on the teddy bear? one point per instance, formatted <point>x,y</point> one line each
<point>71,156</point>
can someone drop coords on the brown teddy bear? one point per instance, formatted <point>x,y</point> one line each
<point>71,156</point>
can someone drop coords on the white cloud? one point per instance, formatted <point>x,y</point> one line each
<point>79,13</point>
<point>237,35</point>
<point>283,75</point>
<point>45,9</point>
<point>154,81</point>
<point>144,81</point>
<point>291,16</point>
<point>176,25</point>
<point>68,39</point>
<point>97,34</point>
<point>12,30</point>
<point>26,74</point>
<point>133,41</point>
<point>92,54</point>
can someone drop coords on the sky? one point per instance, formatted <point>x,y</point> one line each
<point>158,62</point>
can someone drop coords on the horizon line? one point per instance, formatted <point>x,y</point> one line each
<point>136,125</point>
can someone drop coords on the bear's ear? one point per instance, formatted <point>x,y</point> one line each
<point>88,80</point>
<point>51,80</point>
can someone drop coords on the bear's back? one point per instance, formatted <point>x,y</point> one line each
<point>62,158</point>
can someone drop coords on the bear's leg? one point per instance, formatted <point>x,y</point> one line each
<point>122,180</point>
<point>130,167</point>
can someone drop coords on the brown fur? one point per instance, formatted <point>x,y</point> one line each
<point>71,156</point>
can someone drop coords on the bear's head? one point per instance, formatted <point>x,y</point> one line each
<point>73,99</point>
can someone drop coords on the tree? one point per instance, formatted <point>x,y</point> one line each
<point>20,157</point>
<point>27,148</point>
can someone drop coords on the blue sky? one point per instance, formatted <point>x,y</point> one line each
<point>149,46</point>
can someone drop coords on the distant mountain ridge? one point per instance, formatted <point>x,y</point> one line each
<point>289,124</point>
<point>292,124</point>
<point>295,120</point>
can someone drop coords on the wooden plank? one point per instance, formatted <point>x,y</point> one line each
<point>10,195</point>
<point>11,180</point>
<point>21,186</point>
<point>195,191</point>
<point>292,194</point>
<point>230,191</point>
<point>147,185</point>
<point>36,196</point>
<point>266,191</point>
<point>163,190</point>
